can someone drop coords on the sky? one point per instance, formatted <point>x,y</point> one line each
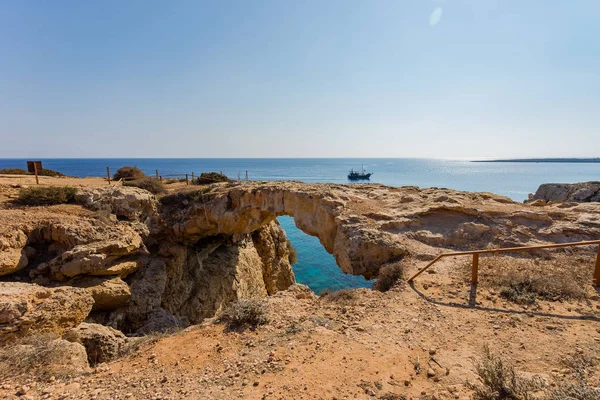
<point>282,78</point>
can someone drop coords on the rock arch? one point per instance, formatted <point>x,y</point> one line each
<point>245,208</point>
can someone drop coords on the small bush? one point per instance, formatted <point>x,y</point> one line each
<point>128,173</point>
<point>49,195</point>
<point>210,177</point>
<point>13,171</point>
<point>501,381</point>
<point>388,276</point>
<point>49,172</point>
<point>292,253</point>
<point>150,184</point>
<point>244,313</point>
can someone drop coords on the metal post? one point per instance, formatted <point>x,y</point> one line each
<point>37,181</point>
<point>187,181</point>
<point>108,174</point>
<point>475,269</point>
<point>597,269</point>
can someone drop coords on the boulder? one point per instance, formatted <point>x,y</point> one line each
<point>41,356</point>
<point>568,192</point>
<point>101,343</point>
<point>108,293</point>
<point>96,257</point>
<point>124,201</point>
<point>27,309</point>
<point>12,256</point>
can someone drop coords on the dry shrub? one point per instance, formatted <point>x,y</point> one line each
<point>40,195</point>
<point>13,171</point>
<point>245,313</point>
<point>49,172</point>
<point>500,380</point>
<point>150,184</point>
<point>578,390</point>
<point>389,276</point>
<point>19,171</point>
<point>343,296</point>
<point>128,173</point>
<point>292,253</point>
<point>41,356</point>
<point>523,281</point>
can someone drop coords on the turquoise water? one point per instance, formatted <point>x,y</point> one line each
<point>316,268</point>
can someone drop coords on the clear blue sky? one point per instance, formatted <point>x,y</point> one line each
<point>421,78</point>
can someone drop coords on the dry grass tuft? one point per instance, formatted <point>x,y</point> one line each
<point>245,313</point>
<point>40,356</point>
<point>526,280</point>
<point>150,184</point>
<point>500,381</point>
<point>344,296</point>
<point>41,195</point>
<point>389,276</point>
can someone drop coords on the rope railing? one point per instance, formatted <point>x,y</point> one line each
<point>476,253</point>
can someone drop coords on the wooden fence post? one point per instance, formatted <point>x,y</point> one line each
<point>475,270</point>
<point>192,176</point>
<point>108,174</point>
<point>160,178</point>
<point>37,181</point>
<point>187,182</point>
<point>246,175</point>
<point>597,269</point>
<point>156,174</point>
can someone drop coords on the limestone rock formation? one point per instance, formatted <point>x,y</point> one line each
<point>568,192</point>
<point>108,293</point>
<point>27,308</point>
<point>123,201</point>
<point>101,343</point>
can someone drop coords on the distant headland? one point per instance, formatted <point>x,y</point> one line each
<point>546,160</point>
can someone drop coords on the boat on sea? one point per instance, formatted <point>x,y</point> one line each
<point>356,175</point>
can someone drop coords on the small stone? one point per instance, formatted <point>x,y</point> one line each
<point>430,373</point>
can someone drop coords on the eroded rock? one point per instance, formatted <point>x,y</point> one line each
<point>27,308</point>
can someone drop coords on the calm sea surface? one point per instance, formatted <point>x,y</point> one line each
<point>316,268</point>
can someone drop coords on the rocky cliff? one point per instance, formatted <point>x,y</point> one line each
<point>137,264</point>
<point>567,192</point>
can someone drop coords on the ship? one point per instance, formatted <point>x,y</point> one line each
<point>356,175</point>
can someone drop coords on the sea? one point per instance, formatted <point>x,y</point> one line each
<point>315,267</point>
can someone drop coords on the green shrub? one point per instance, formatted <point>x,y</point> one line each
<point>292,253</point>
<point>46,195</point>
<point>243,313</point>
<point>128,173</point>
<point>13,171</point>
<point>388,276</point>
<point>150,184</point>
<point>210,177</point>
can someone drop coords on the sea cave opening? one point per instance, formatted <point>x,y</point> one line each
<point>315,267</point>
